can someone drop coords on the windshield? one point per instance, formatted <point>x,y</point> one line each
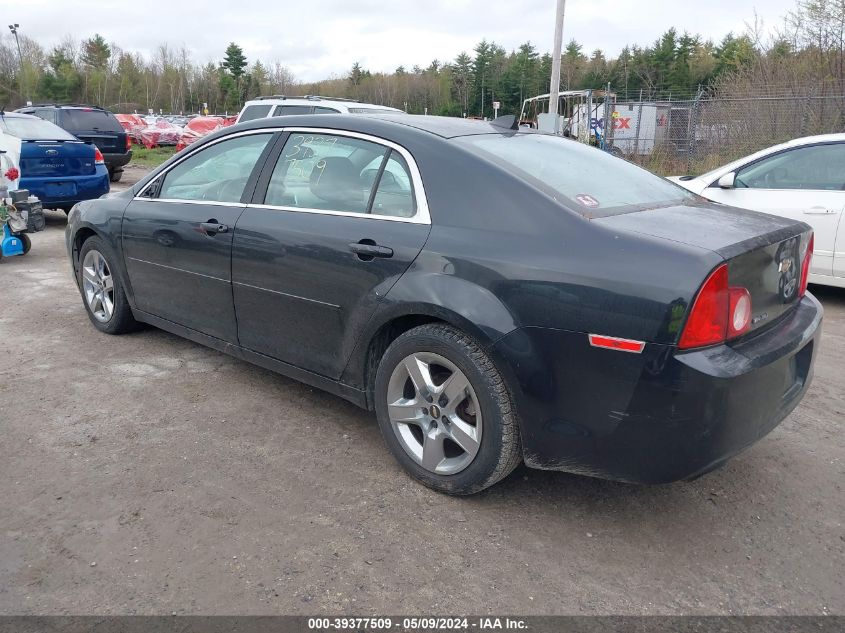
<point>33,129</point>
<point>590,181</point>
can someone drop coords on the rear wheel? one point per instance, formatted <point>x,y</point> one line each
<point>27,243</point>
<point>115,176</point>
<point>102,292</point>
<point>445,412</point>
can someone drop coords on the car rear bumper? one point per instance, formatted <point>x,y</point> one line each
<point>116,161</point>
<point>68,190</point>
<point>659,416</point>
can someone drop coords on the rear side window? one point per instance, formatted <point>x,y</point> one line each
<point>324,110</point>
<point>87,120</point>
<point>47,114</point>
<point>285,110</point>
<point>327,172</point>
<point>395,194</point>
<point>253,112</point>
<point>217,173</point>
<point>817,167</point>
<point>34,129</point>
<point>590,181</point>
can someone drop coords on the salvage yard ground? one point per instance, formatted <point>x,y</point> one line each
<point>147,474</point>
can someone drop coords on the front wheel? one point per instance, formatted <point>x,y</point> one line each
<point>102,292</point>
<point>27,243</point>
<point>445,412</point>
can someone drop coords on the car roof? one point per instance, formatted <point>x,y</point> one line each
<point>19,115</point>
<point>317,101</point>
<point>65,106</point>
<point>384,124</point>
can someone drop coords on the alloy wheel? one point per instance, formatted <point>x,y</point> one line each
<point>434,413</point>
<point>98,285</point>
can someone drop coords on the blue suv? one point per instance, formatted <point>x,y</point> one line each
<point>55,165</point>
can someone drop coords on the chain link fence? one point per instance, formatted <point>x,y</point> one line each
<point>692,136</point>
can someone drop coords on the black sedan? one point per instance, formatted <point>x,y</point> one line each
<point>494,295</point>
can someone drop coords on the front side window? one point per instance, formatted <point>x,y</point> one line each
<point>327,172</point>
<point>253,112</point>
<point>217,173</point>
<point>589,180</point>
<point>818,167</point>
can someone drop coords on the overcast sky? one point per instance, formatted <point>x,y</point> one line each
<point>319,38</point>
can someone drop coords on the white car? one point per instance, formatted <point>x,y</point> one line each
<point>280,105</point>
<point>803,179</point>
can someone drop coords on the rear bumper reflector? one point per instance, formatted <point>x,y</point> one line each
<point>619,344</point>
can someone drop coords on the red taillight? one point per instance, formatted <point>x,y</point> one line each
<point>719,312</point>
<point>128,143</point>
<point>805,267</point>
<point>98,157</point>
<point>708,320</point>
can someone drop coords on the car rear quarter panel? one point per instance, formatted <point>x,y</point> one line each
<point>502,256</point>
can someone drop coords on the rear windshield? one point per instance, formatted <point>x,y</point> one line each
<point>88,120</point>
<point>591,182</point>
<point>33,129</point>
<point>253,112</point>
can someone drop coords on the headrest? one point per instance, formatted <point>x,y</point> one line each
<point>336,179</point>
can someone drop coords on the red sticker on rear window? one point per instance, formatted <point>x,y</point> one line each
<point>587,200</point>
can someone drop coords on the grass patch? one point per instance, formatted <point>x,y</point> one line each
<point>150,158</point>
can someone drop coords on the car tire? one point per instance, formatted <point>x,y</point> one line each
<point>102,290</point>
<point>27,243</point>
<point>458,434</point>
<point>115,176</point>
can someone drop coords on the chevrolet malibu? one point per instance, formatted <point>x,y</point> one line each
<point>493,295</point>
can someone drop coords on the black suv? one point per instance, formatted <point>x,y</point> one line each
<point>92,124</point>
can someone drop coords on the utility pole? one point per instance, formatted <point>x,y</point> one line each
<point>14,29</point>
<point>554,90</point>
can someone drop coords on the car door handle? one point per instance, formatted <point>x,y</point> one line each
<point>213,228</point>
<point>366,250</point>
<point>819,211</point>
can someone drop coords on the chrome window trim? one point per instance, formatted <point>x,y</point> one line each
<point>215,203</point>
<point>422,215</point>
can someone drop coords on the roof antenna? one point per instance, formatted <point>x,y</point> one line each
<point>507,121</point>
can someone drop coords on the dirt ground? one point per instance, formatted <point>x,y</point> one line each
<point>145,474</point>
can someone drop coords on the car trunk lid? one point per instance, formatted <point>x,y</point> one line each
<point>764,252</point>
<point>56,159</point>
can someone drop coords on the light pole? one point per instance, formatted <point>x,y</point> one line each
<point>554,88</point>
<point>14,29</point>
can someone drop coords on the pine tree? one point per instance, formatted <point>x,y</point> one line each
<point>234,61</point>
<point>95,52</point>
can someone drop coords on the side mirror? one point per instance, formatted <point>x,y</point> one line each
<point>727,181</point>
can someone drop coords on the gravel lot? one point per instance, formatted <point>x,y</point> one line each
<point>145,474</point>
